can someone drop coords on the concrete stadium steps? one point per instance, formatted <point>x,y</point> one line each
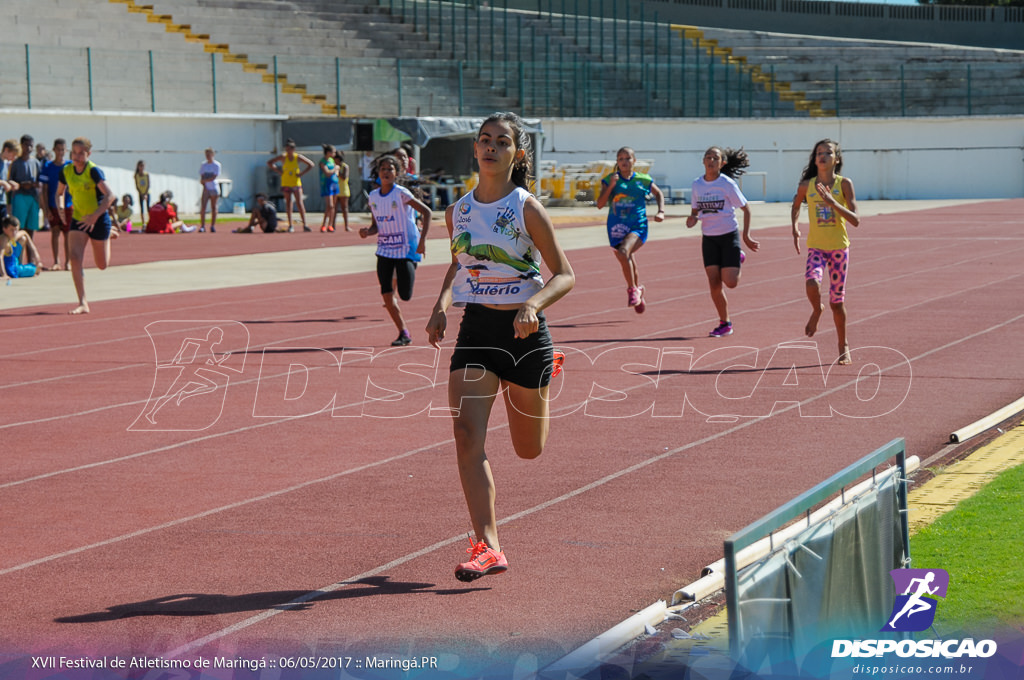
<point>869,72</point>
<point>306,38</point>
<point>120,36</point>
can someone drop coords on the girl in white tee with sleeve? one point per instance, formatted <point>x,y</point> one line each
<point>715,197</point>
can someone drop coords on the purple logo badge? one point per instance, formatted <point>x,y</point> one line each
<point>914,609</point>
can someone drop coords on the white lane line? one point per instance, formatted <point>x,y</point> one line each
<point>314,594</point>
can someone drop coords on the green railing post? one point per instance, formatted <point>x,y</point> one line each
<point>88,66</point>
<point>152,84</point>
<point>696,79</point>
<point>465,33</point>
<point>903,92</point>
<point>656,53</point>
<point>771,82</point>
<point>590,24</point>
<point>561,83</point>
<point>28,76</point>
<point>213,79</point>
<point>647,94</point>
<point>455,26</point>
<point>461,101</point>
<point>600,7</point>
<point>711,84</point>
<point>398,75</point>
<point>586,88</point>
<point>835,87</point>
<point>522,85</point>
<point>277,98</point>
<point>533,69</point>
<point>337,85</point>
<point>504,31</point>
<point>668,69</point>
<point>969,108</point>
<point>750,96</point>
<point>519,38</point>
<point>576,17</point>
<point>682,75</point>
<point>727,67</point>
<point>615,23</point>
<point>547,74</point>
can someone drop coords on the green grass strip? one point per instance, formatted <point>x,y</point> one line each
<point>981,544</point>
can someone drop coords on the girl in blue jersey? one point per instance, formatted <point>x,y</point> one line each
<point>400,242</point>
<point>329,187</point>
<point>500,234</point>
<point>625,191</point>
<point>714,199</point>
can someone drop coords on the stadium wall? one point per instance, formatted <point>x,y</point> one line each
<point>901,158</point>
<point>904,158</point>
<point>171,144</point>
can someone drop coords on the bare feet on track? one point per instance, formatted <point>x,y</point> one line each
<point>812,324</point>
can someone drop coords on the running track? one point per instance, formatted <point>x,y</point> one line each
<point>249,523</point>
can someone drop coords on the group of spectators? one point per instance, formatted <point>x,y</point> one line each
<point>29,183</point>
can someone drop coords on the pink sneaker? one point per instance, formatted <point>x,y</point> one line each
<point>483,561</point>
<point>642,304</point>
<point>634,296</point>
<point>724,329</point>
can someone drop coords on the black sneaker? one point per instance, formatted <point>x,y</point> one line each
<point>402,340</point>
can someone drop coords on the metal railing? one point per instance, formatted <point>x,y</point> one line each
<point>532,74</point>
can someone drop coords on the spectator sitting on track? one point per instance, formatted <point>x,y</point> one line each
<point>13,243</point>
<point>263,214</point>
<point>163,217</point>
<point>121,213</point>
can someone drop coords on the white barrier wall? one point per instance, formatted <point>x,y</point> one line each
<point>171,145</point>
<point>903,158</point>
<point>906,158</point>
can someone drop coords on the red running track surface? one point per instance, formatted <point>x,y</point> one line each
<point>252,521</point>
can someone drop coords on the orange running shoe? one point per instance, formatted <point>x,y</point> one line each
<point>483,561</point>
<point>557,362</point>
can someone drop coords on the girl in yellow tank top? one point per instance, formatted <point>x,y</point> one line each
<point>831,204</point>
<point>288,165</point>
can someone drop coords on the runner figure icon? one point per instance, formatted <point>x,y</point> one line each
<point>194,378</point>
<point>915,604</point>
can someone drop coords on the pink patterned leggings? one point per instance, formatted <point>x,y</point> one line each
<point>837,262</point>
